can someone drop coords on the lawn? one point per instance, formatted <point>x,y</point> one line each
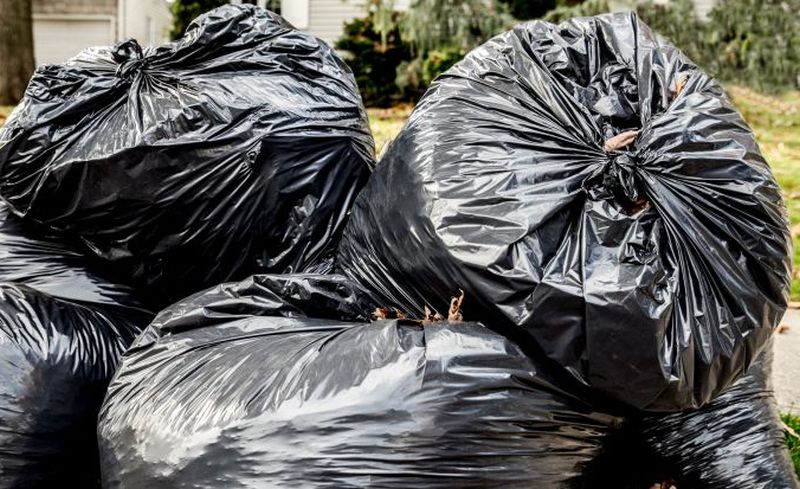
<point>4,111</point>
<point>386,123</point>
<point>793,438</point>
<point>775,120</point>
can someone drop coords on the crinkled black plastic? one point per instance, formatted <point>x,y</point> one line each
<point>736,441</point>
<point>56,359</point>
<point>53,264</point>
<point>238,148</point>
<point>63,328</point>
<point>234,398</point>
<point>651,273</point>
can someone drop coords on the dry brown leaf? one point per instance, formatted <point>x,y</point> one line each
<point>388,313</point>
<point>680,85</point>
<point>454,314</point>
<point>619,141</point>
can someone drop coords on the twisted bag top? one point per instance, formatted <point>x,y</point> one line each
<point>238,148</point>
<point>594,193</point>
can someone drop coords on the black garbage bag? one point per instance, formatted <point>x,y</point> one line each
<point>51,263</point>
<point>56,359</point>
<point>735,441</point>
<point>594,193</point>
<point>217,393</point>
<point>63,328</point>
<point>238,148</point>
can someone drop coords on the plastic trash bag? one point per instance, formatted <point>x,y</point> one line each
<point>56,359</point>
<point>218,393</point>
<point>735,441</point>
<point>63,328</point>
<point>238,148</point>
<point>593,192</point>
<point>53,264</point>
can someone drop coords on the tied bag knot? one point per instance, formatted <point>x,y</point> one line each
<point>617,179</point>
<point>130,56</point>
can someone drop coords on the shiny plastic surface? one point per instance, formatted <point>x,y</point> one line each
<point>236,149</point>
<point>735,441</point>
<point>233,397</point>
<point>651,273</point>
<point>56,359</point>
<point>51,263</point>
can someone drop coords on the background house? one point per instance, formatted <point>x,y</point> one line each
<point>322,18</point>
<point>62,28</point>
<point>702,7</point>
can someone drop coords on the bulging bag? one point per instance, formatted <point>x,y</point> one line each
<point>63,328</point>
<point>56,359</point>
<point>737,440</point>
<point>51,263</point>
<point>595,194</point>
<point>236,388</point>
<point>238,148</point>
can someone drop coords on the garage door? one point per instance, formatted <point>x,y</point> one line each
<point>57,39</point>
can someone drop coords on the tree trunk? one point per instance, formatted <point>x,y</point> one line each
<point>16,49</point>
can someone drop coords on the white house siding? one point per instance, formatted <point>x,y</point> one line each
<point>58,38</point>
<point>147,21</point>
<point>63,28</point>
<point>703,7</point>
<point>327,17</point>
<point>75,7</point>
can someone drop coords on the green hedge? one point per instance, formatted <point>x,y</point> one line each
<point>374,60</point>
<point>751,42</point>
<point>761,51</point>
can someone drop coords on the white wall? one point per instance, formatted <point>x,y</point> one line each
<point>327,17</point>
<point>58,37</point>
<point>147,21</point>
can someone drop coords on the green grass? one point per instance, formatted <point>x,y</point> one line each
<point>793,438</point>
<point>776,123</point>
<point>4,111</point>
<point>386,123</point>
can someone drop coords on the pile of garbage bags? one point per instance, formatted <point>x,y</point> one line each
<point>564,272</point>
